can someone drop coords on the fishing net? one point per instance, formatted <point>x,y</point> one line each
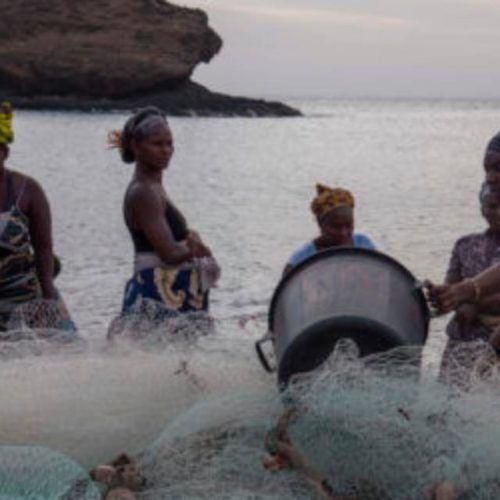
<point>197,413</point>
<point>373,427</point>
<point>38,326</point>
<point>38,473</point>
<point>34,329</point>
<point>150,324</point>
<point>95,402</point>
<point>46,316</point>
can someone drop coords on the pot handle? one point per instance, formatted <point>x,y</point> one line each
<point>260,353</point>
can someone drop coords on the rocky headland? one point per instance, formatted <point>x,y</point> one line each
<point>113,54</point>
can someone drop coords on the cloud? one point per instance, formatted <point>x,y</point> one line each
<point>355,47</point>
<point>303,14</point>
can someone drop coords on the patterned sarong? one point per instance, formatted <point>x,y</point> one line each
<point>19,285</point>
<point>18,280</point>
<point>175,290</point>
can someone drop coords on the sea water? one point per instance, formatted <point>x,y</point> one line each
<point>245,185</point>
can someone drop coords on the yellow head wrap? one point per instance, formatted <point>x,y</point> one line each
<point>6,116</point>
<point>327,199</point>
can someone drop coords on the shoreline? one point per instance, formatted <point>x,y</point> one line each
<point>190,99</point>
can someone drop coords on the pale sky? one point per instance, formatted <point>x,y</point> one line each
<point>354,48</point>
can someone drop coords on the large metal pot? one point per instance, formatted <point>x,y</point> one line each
<point>345,292</point>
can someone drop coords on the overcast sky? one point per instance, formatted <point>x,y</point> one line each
<point>354,48</point>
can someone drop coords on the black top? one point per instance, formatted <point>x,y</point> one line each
<point>176,222</point>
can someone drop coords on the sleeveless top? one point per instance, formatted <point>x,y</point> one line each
<point>175,221</point>
<point>18,280</point>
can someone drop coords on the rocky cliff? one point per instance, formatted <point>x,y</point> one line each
<point>112,54</point>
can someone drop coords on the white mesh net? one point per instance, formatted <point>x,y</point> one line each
<point>38,473</point>
<point>196,414</point>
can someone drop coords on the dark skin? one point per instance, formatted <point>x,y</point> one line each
<point>491,166</point>
<point>449,297</point>
<point>454,296</point>
<point>336,229</point>
<point>491,212</point>
<point>34,204</point>
<point>467,314</point>
<point>146,200</point>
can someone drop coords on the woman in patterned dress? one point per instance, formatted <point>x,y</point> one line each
<point>26,257</point>
<point>471,255</point>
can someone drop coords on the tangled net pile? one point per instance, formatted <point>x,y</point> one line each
<point>38,473</point>
<point>373,426</point>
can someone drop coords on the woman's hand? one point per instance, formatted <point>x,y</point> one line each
<point>490,304</point>
<point>196,245</point>
<point>446,298</point>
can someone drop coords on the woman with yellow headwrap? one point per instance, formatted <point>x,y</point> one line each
<point>27,261</point>
<point>334,212</point>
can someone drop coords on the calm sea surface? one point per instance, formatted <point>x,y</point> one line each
<point>245,184</point>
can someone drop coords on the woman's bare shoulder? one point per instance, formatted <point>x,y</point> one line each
<point>137,191</point>
<point>20,178</point>
<point>25,185</point>
<point>143,195</point>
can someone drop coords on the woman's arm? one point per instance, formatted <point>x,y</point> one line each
<point>490,304</point>
<point>448,297</point>
<point>40,219</point>
<point>193,239</point>
<point>197,246</point>
<point>488,282</point>
<point>147,212</point>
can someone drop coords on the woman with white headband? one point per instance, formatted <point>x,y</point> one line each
<point>173,268</point>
